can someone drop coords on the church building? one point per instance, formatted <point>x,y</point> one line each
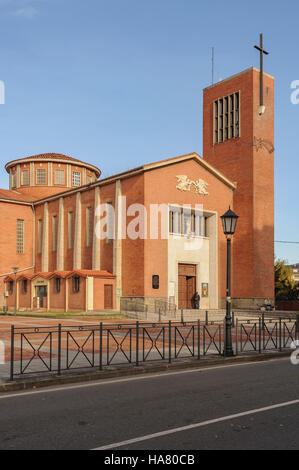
<point>52,217</point>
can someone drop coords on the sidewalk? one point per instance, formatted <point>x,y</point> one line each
<point>123,345</point>
<point>95,375</point>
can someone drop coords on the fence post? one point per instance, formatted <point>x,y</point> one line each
<point>260,335</point>
<point>59,349</point>
<point>280,348</point>
<point>263,328</point>
<point>182,316</point>
<point>207,317</point>
<point>297,326</point>
<point>101,346</point>
<point>169,341</point>
<point>137,343</point>
<point>198,339</point>
<point>224,337</point>
<point>233,319</point>
<point>12,345</point>
<point>237,347</point>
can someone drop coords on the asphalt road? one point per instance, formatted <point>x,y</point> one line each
<point>187,410</point>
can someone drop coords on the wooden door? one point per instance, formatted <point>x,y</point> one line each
<point>108,296</point>
<point>191,289</point>
<point>182,292</point>
<point>186,285</point>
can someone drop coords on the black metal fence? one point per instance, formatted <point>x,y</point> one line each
<point>61,348</point>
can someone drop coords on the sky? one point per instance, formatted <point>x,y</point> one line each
<point>118,83</point>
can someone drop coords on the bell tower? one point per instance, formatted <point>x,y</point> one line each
<point>238,140</point>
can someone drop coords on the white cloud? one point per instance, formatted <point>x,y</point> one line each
<point>28,12</point>
<point>21,8</point>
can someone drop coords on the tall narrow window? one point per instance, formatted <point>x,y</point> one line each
<point>175,220</point>
<point>57,284</point>
<point>39,236</point>
<point>110,223</point>
<point>13,180</point>
<point>76,178</point>
<point>54,232</point>
<point>226,118</point>
<point>187,222</point>
<point>41,176</point>
<point>71,230</point>
<point>171,221</point>
<point>89,226</point>
<point>76,284</point>
<point>25,178</point>
<point>237,114</point>
<point>20,236</point>
<point>200,224</point>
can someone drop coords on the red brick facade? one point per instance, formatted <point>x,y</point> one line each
<point>237,173</point>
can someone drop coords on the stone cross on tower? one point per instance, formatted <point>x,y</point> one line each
<point>262,52</point>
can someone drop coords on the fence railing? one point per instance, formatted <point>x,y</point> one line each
<point>59,349</point>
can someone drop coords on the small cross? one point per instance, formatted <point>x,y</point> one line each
<point>262,52</point>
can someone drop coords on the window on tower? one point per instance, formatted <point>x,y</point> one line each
<point>25,178</point>
<point>14,180</point>
<point>76,178</point>
<point>59,177</point>
<point>226,118</point>
<point>41,176</point>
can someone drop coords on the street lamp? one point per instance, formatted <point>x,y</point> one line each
<point>15,270</point>
<point>229,222</point>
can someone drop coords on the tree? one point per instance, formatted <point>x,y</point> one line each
<point>285,287</point>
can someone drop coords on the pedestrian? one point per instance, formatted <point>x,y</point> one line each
<point>196,300</point>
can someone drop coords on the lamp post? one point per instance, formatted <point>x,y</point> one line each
<point>229,222</point>
<point>15,270</point>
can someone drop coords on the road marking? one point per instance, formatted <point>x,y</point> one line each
<point>130,379</point>
<point>197,425</point>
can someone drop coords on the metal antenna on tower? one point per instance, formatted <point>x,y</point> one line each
<point>213,65</point>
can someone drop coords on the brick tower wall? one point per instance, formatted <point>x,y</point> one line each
<point>249,161</point>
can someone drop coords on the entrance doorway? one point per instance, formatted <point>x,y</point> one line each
<point>41,294</point>
<point>186,285</point>
<point>108,296</point>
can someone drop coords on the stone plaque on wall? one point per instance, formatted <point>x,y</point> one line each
<point>205,289</point>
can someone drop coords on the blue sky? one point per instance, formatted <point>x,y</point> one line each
<point>119,83</point>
